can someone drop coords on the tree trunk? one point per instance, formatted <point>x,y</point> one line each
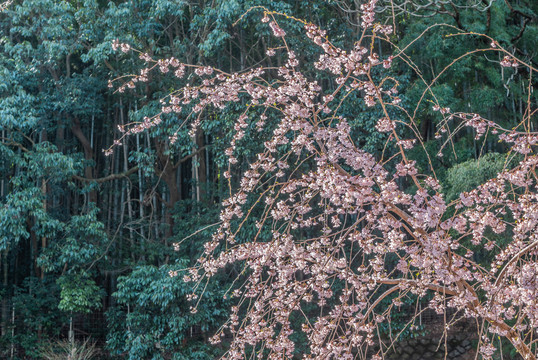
<point>201,184</point>
<point>88,154</point>
<point>5,309</point>
<point>168,173</point>
<point>128,187</point>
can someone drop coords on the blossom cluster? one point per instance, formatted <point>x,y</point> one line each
<point>509,61</point>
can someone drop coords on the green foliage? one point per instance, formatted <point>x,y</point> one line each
<point>79,293</point>
<point>468,175</point>
<point>82,241</point>
<point>155,320</point>
<point>35,303</point>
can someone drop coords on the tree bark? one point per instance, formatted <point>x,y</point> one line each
<point>88,154</point>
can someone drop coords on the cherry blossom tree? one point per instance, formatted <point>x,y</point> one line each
<point>338,230</point>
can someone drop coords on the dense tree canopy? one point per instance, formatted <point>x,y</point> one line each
<point>309,167</point>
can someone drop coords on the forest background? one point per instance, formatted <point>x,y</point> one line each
<point>86,236</point>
